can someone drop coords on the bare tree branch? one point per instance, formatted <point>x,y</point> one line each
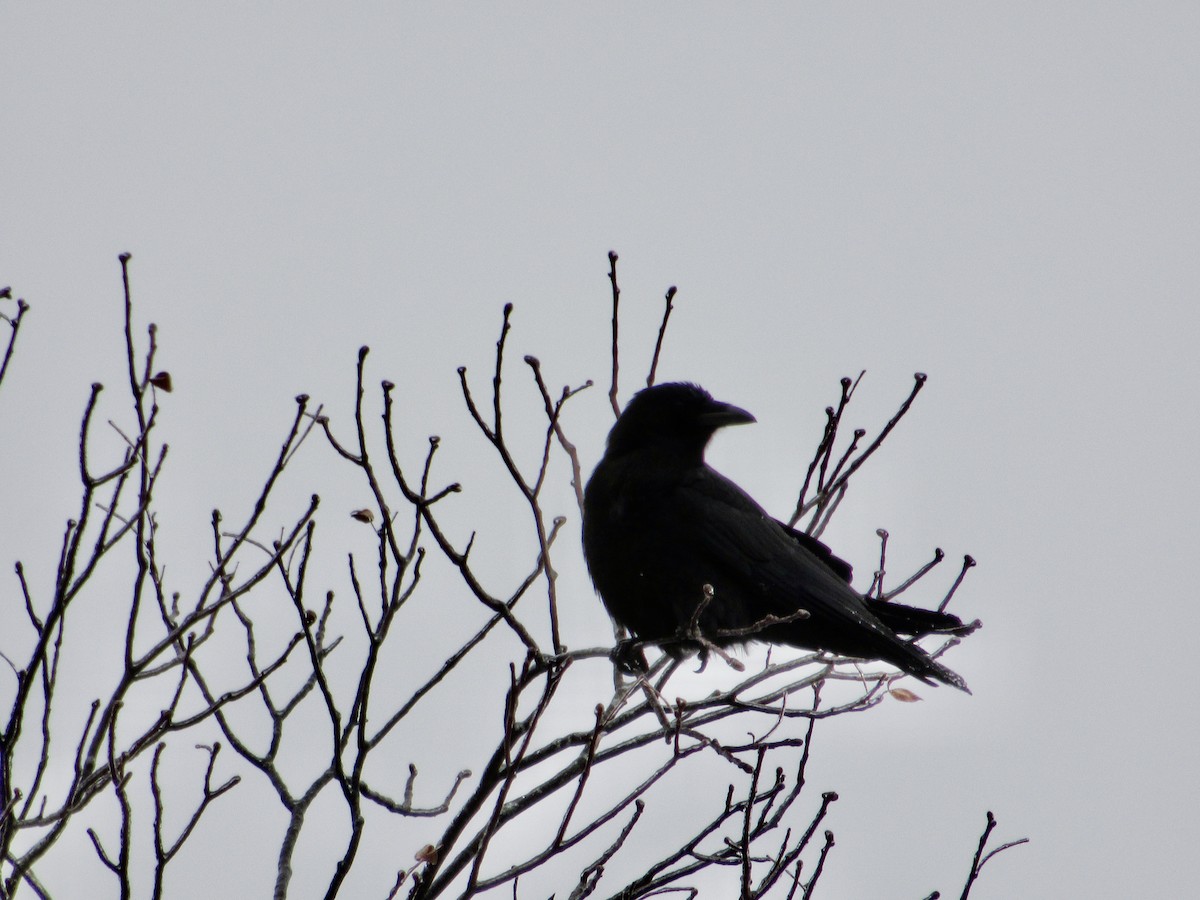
<point>267,657</point>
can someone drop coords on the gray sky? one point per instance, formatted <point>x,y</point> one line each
<point>1004,196</point>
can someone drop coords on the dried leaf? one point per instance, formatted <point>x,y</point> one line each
<point>363,515</point>
<point>903,695</point>
<point>427,854</point>
<point>162,381</point>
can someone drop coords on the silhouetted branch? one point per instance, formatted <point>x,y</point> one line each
<point>968,563</point>
<point>14,326</point>
<point>164,853</point>
<point>616,356</point>
<point>300,681</point>
<point>981,859</point>
<point>829,484</point>
<point>662,331</point>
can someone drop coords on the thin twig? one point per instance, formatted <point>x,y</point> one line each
<point>662,330</point>
<point>616,302</point>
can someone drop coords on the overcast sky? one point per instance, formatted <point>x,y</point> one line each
<point>1004,196</point>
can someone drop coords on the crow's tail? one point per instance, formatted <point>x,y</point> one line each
<point>921,665</point>
<point>916,622</point>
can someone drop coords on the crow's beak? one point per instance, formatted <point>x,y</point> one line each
<point>723,414</point>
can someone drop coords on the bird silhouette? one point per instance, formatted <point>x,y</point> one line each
<point>682,556</point>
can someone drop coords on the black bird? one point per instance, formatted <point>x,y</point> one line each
<point>659,524</point>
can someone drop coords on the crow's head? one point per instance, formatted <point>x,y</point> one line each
<point>680,416</point>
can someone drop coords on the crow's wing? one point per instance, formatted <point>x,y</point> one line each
<point>741,539</point>
<point>762,566</point>
<point>843,569</point>
<point>899,617</point>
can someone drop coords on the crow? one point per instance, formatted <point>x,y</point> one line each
<point>660,527</point>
